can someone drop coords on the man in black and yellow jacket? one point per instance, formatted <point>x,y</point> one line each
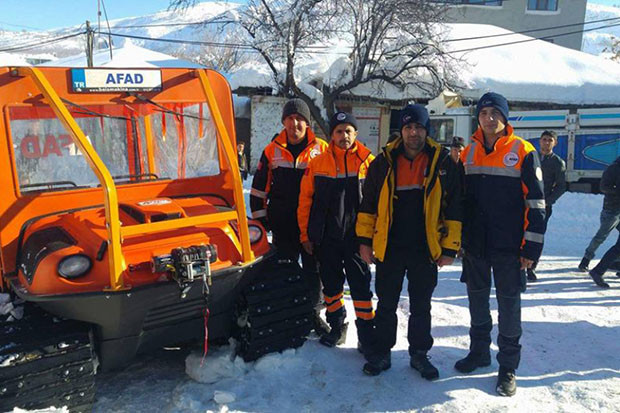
<point>503,234</point>
<point>275,189</point>
<point>409,222</point>
<point>328,203</point>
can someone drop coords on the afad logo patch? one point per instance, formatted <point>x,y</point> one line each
<point>314,153</point>
<point>511,159</point>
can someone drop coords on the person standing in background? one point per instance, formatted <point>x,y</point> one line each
<point>554,180</point>
<point>243,163</point>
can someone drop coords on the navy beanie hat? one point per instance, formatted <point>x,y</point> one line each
<point>417,114</point>
<point>341,117</point>
<point>492,99</point>
<point>296,106</point>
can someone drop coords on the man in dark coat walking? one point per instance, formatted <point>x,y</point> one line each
<point>554,179</point>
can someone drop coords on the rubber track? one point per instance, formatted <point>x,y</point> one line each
<point>46,362</point>
<point>279,312</point>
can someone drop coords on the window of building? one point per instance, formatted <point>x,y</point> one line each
<point>542,5</point>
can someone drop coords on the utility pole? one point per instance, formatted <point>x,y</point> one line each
<point>89,44</point>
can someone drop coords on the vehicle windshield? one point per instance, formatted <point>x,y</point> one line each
<point>137,142</point>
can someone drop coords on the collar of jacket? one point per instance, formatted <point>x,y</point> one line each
<point>479,135</point>
<point>395,148</point>
<point>358,149</point>
<point>283,141</point>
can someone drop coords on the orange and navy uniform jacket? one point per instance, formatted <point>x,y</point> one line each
<point>504,198</point>
<point>442,201</point>
<point>331,191</point>
<point>275,188</point>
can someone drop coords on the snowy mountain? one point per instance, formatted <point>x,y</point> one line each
<point>173,24</point>
<point>597,40</point>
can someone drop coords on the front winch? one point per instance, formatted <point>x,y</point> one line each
<point>187,264</point>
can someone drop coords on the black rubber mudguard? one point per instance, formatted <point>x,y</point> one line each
<point>46,362</point>
<point>274,311</point>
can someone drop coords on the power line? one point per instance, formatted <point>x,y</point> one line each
<point>31,45</point>
<point>549,37</point>
<point>242,46</point>
<point>533,30</point>
<point>317,49</point>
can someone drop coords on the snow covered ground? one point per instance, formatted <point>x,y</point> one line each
<point>570,359</point>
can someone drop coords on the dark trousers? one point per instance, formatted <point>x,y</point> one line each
<point>508,285</point>
<point>340,260</point>
<point>422,276</point>
<point>608,259</point>
<point>289,247</point>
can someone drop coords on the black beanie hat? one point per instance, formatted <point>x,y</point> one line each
<point>457,142</point>
<point>495,100</point>
<point>296,106</point>
<point>417,114</point>
<point>341,117</point>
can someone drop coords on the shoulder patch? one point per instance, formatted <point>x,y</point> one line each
<point>511,159</point>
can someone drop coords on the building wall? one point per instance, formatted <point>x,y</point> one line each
<point>373,123</point>
<point>513,15</point>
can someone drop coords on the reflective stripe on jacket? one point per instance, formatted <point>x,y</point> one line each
<point>331,192</point>
<point>442,201</point>
<point>504,199</point>
<point>278,175</point>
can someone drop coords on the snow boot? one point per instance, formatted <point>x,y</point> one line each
<point>531,275</point>
<point>583,265</point>
<point>506,382</point>
<point>377,363</point>
<point>336,336</point>
<point>472,361</point>
<point>420,361</point>
<point>319,326</point>
<point>598,279</point>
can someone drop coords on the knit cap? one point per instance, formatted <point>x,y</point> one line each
<point>341,117</point>
<point>416,114</point>
<point>495,100</point>
<point>296,106</point>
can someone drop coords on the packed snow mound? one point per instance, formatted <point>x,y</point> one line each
<point>221,364</point>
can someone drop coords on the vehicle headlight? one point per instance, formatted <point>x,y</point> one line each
<point>256,233</point>
<point>74,266</point>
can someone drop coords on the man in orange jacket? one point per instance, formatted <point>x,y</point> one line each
<point>328,203</point>
<point>503,234</point>
<point>275,188</point>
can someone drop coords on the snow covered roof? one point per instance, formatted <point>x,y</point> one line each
<point>533,71</point>
<point>130,55</point>
<point>9,59</point>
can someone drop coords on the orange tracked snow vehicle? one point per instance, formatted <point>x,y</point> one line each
<point>122,215</point>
